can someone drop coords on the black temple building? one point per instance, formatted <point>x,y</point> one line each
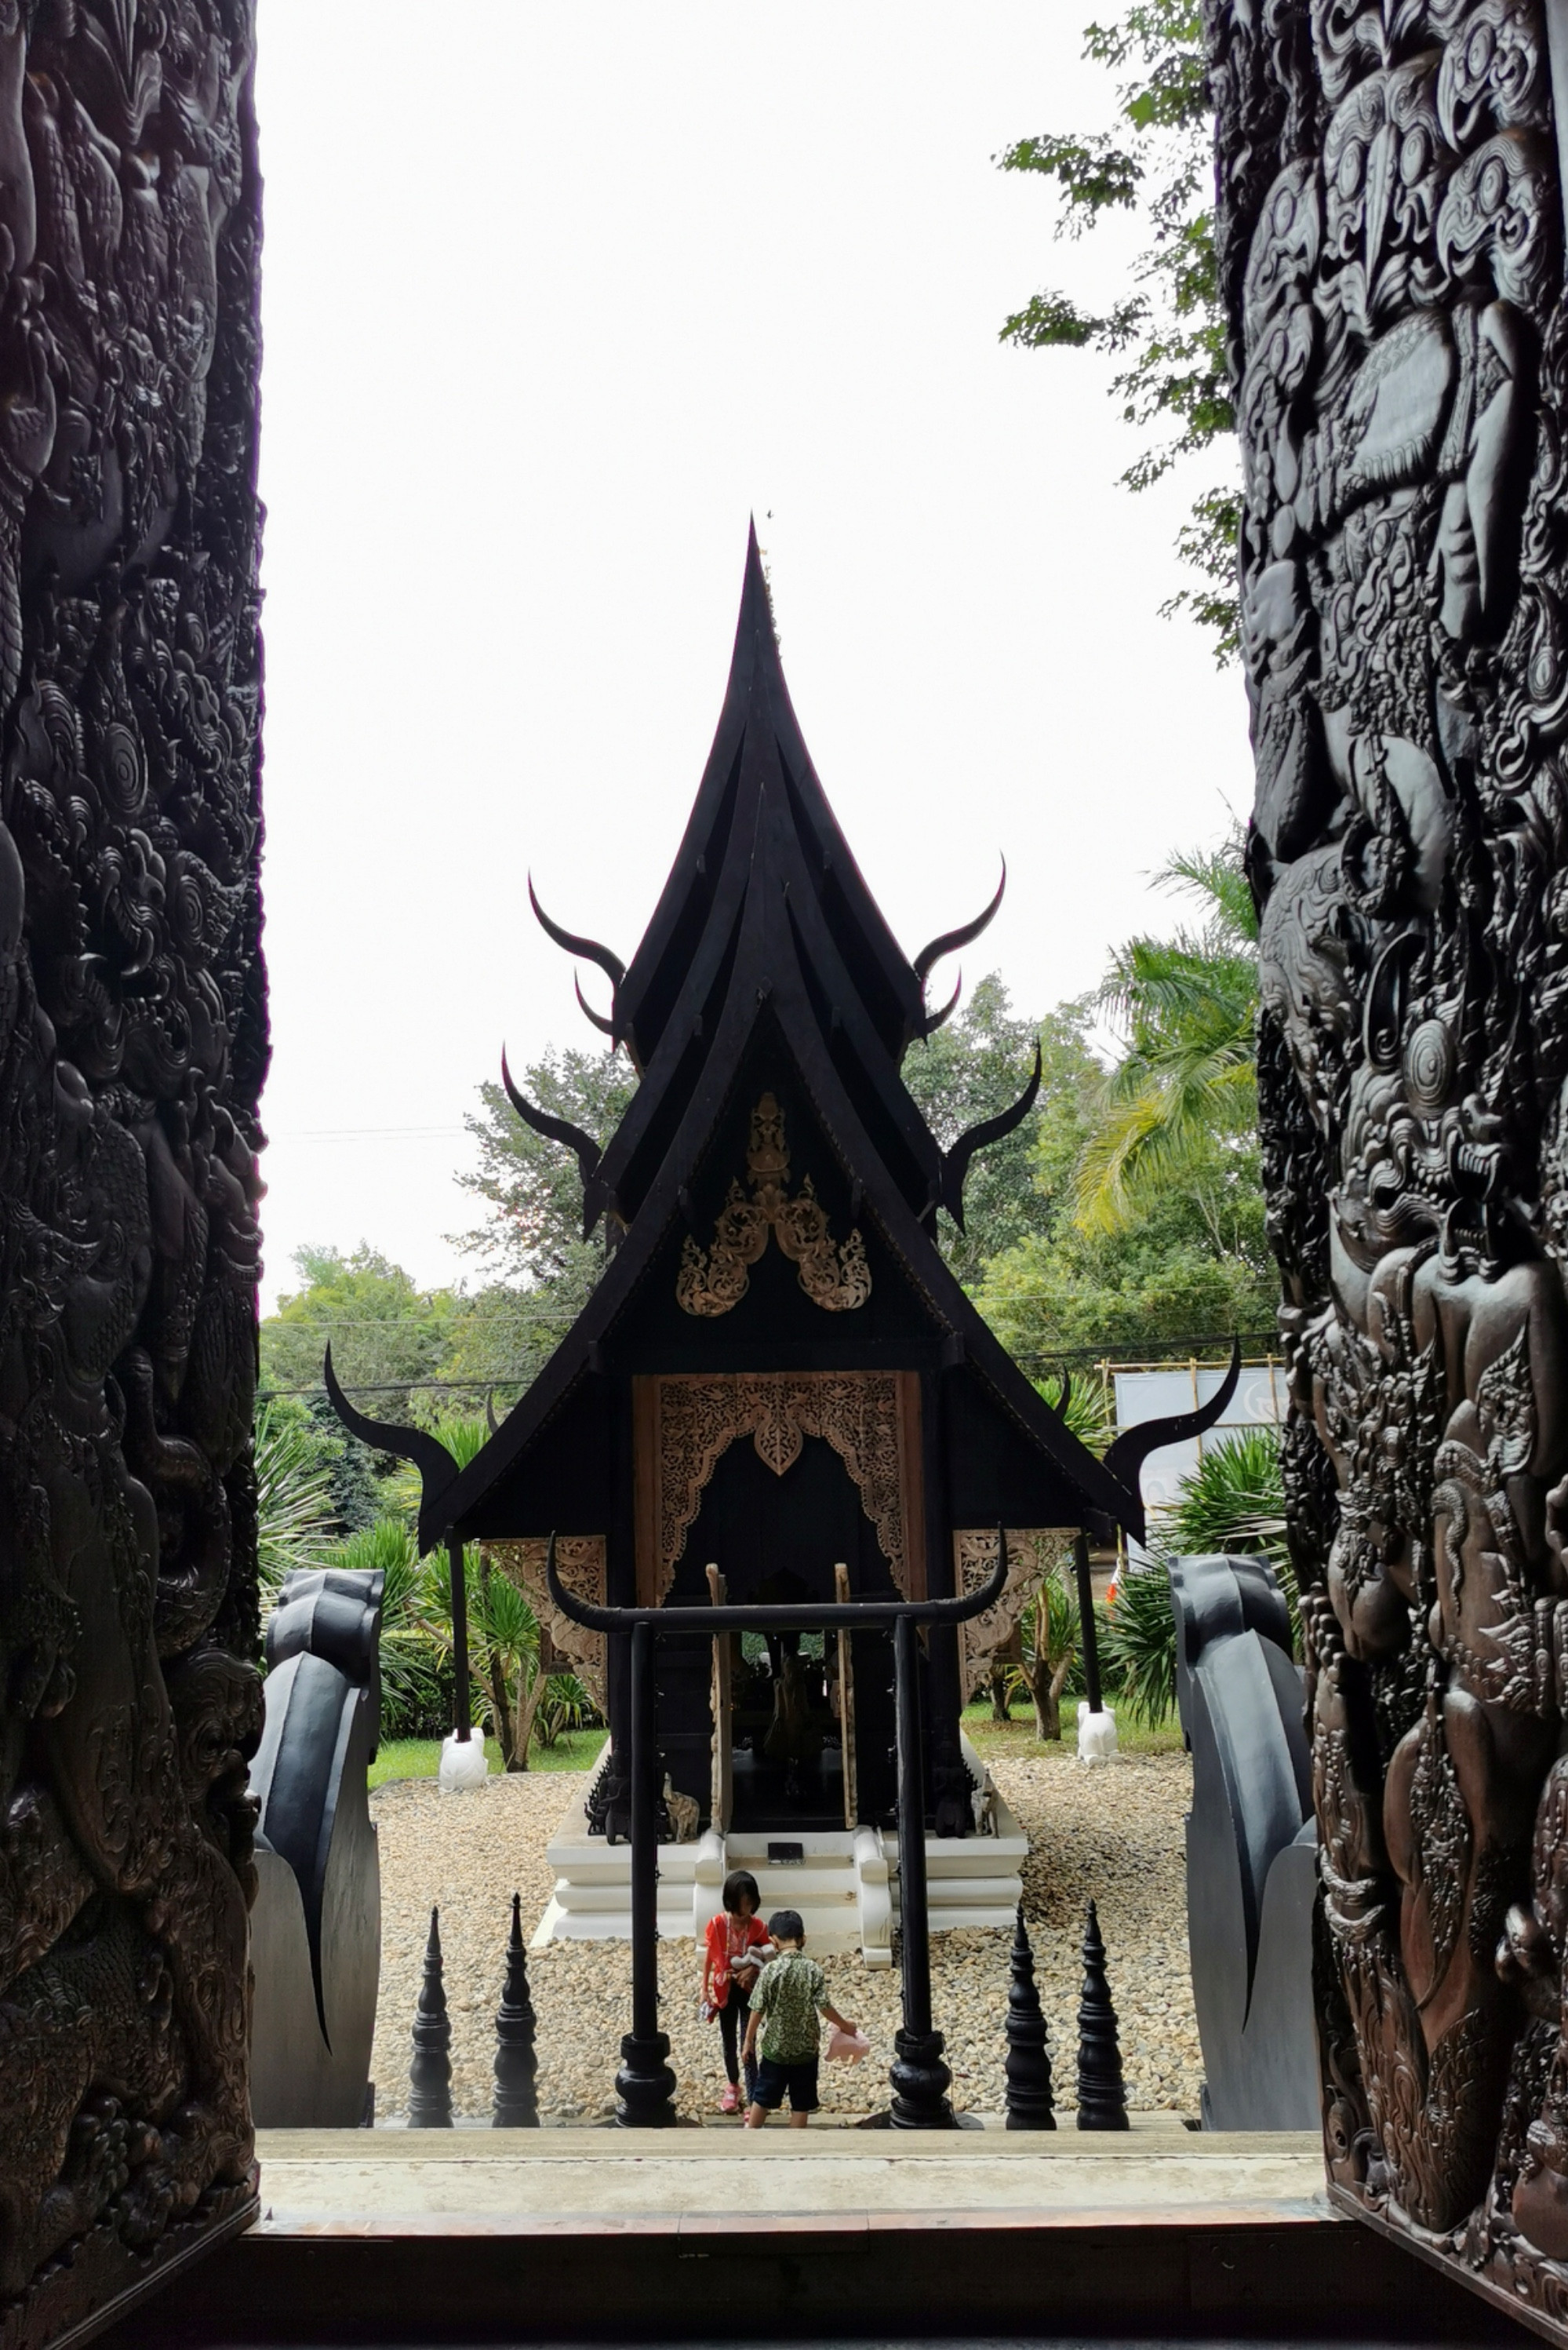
<point>777,1376</point>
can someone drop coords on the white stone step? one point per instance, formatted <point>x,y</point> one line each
<point>845,1887</point>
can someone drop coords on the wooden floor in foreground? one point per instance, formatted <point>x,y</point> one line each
<point>395,2237</point>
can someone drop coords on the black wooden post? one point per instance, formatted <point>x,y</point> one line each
<point>645,2085</point>
<point>430,2074</point>
<point>1102,2100</point>
<point>1086,1624</point>
<point>917,2077</point>
<point>1030,2103</point>
<point>461,1703</point>
<point>516,2105</point>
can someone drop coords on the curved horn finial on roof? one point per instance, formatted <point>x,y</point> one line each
<point>930,956</point>
<point>589,949</point>
<point>1132,1448</point>
<point>554,1129</point>
<point>605,1028</point>
<point>494,1424</point>
<point>935,1020</point>
<point>956,1161</point>
<point>429,1456</point>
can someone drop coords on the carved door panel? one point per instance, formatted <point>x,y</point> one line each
<point>132,1048</point>
<point>1390,239</point>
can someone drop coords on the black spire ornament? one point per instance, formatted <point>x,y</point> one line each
<point>1102,2100</point>
<point>517,2103</point>
<point>1029,2103</point>
<point>429,2075</point>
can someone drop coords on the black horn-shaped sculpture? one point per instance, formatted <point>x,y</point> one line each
<point>590,949</point>
<point>932,1021</point>
<point>949,941</point>
<point>1125,1457</point>
<point>956,1161</point>
<point>438,1475</point>
<point>919,2079</point>
<point>605,1028</point>
<point>437,1469</point>
<point>558,1130</point>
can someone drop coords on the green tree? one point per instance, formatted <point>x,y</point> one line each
<point>1157,1163</point>
<point>531,1240</point>
<point>1166,330</point>
<point>531,1185</point>
<point>1179,1111</point>
<point>390,1339</point>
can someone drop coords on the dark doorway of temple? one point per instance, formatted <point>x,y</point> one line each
<point>782,1538</point>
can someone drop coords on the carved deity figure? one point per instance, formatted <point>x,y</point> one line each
<point>132,1044</point>
<point>1390,241</point>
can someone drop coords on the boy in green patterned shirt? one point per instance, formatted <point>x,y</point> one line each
<point>786,1999</point>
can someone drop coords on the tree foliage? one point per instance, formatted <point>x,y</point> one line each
<point>1166,332</point>
<point>388,1338</point>
<point>1179,1112</point>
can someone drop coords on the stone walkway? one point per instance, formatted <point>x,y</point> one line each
<point>1114,1835</point>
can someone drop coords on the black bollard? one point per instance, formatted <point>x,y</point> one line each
<point>645,2085</point>
<point>429,2075</point>
<point>1102,2100</point>
<point>516,2095</point>
<point>918,2077</point>
<point>1029,2103</point>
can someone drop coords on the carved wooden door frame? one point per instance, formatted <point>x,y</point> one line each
<point>683,1423</point>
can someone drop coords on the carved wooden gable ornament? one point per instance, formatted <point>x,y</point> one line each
<point>713,1280</point>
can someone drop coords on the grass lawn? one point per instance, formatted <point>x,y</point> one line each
<point>420,1758</point>
<point>1017,1737</point>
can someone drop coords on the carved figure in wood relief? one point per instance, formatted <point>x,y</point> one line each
<point>132,1048</point>
<point>1390,239</point>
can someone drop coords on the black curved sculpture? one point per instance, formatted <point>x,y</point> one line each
<point>316,1930</point>
<point>1251,1845</point>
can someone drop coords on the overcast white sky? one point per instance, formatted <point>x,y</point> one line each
<point>555,297</point>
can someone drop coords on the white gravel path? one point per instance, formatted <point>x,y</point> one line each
<point>1114,1834</point>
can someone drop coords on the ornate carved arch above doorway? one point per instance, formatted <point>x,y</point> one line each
<point>686,1421</point>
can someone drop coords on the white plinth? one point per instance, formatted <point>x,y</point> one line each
<point>845,1885</point>
<point>463,1763</point>
<point>1097,1735</point>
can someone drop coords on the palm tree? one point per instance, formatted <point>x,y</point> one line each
<point>1181,1105</point>
<point>294,1512</point>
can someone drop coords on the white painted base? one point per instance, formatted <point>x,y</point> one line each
<point>463,1763</point>
<point>1097,1735</point>
<point>846,1888</point>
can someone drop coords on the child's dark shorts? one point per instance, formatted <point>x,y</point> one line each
<point>800,2080</point>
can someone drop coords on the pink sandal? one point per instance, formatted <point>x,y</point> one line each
<point>729,2101</point>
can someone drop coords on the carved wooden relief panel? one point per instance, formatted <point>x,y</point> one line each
<point>1390,247</point>
<point>686,1421</point>
<point>834,1276</point>
<point>1033,1553</point>
<point>580,1562</point>
<point>132,1048</point>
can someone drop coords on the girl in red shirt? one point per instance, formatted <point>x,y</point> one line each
<point>736,1944</point>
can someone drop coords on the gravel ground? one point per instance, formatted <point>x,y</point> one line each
<point>1114,1834</point>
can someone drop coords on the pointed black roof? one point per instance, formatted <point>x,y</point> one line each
<point>764,887</point>
<point>766,919</point>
